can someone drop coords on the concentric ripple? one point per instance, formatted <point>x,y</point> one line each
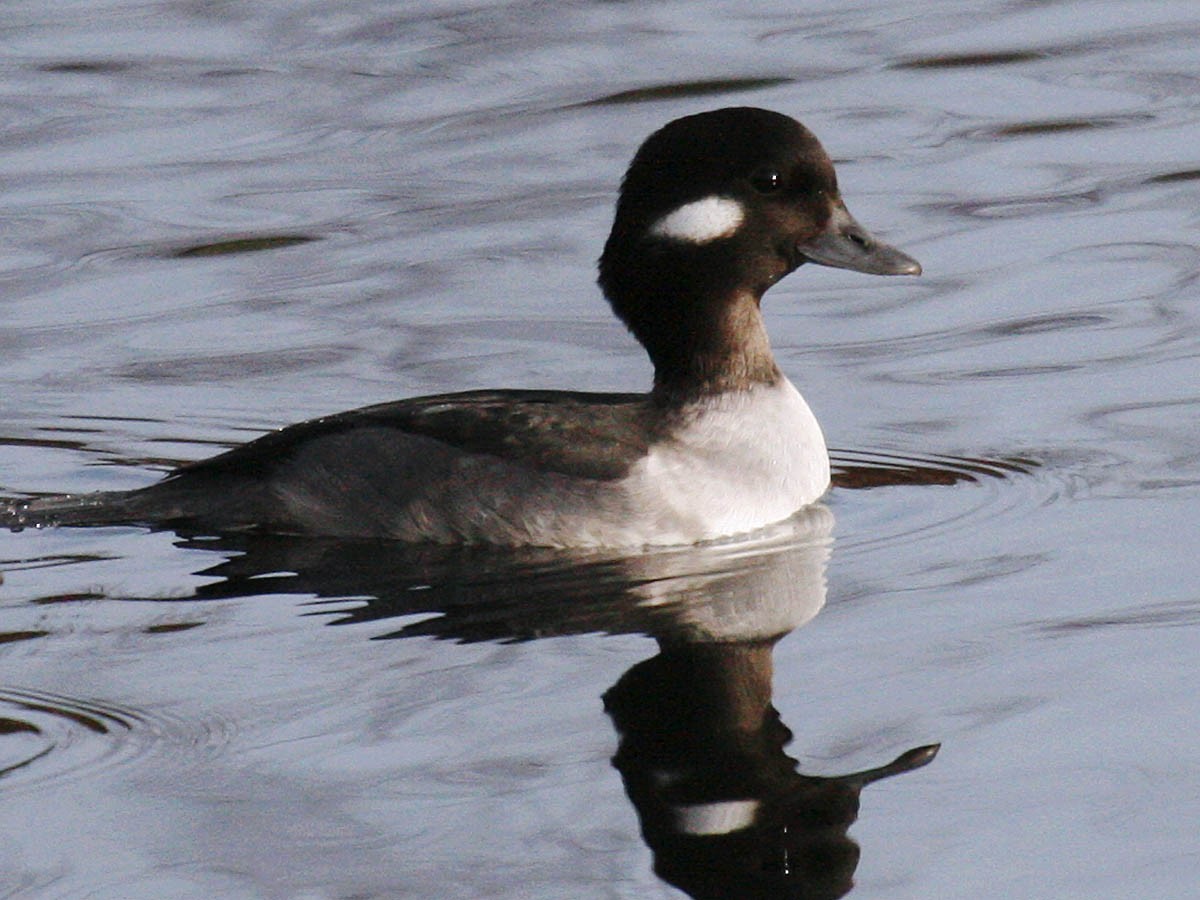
<point>969,489</point>
<point>857,470</point>
<point>48,737</point>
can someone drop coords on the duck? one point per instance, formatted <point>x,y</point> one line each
<point>714,209</point>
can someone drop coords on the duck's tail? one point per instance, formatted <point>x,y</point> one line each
<point>102,508</point>
<point>208,495</point>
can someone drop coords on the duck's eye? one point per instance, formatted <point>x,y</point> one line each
<point>766,181</point>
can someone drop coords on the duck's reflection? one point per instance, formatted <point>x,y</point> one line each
<point>721,805</point>
<point>701,750</point>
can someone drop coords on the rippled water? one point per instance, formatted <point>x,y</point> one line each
<point>220,218</point>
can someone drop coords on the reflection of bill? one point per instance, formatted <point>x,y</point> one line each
<point>721,805</point>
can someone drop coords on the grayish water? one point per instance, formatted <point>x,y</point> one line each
<point>415,195</point>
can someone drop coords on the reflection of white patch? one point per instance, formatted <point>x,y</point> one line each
<point>716,818</point>
<point>701,221</point>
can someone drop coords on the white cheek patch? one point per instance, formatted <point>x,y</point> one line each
<point>701,221</point>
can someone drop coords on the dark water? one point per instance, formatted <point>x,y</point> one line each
<point>219,218</point>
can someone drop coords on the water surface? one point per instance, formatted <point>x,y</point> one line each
<point>217,219</point>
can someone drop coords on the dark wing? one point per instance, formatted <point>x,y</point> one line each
<point>365,463</point>
<point>584,435</point>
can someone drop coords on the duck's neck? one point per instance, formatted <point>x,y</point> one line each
<point>702,346</point>
<point>694,309</point>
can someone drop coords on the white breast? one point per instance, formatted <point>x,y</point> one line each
<point>742,460</point>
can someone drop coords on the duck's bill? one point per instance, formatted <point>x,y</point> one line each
<point>844,244</point>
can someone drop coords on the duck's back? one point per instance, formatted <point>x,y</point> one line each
<point>498,467</point>
<point>494,466</point>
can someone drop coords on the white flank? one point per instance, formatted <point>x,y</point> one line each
<point>701,221</point>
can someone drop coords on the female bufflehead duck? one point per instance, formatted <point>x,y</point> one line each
<point>715,208</point>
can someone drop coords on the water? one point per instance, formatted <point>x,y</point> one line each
<point>216,219</point>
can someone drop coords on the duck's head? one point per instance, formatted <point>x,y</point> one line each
<point>714,209</point>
